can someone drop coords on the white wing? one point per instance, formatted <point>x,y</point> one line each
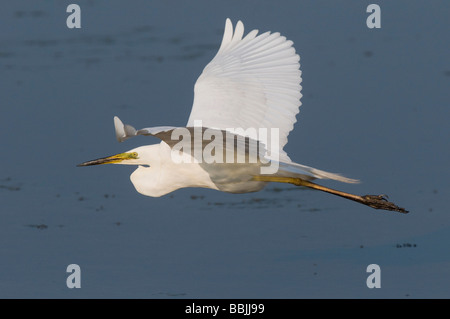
<point>125,131</point>
<point>252,82</point>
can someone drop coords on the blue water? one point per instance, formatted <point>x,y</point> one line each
<point>375,108</point>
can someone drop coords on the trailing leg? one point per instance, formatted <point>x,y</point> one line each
<point>374,201</point>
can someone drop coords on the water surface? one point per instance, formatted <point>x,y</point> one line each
<point>375,107</point>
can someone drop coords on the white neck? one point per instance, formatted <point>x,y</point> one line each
<point>164,175</point>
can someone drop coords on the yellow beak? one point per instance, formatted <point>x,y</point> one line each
<point>111,159</point>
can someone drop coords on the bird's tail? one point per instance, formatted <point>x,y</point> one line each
<point>309,173</point>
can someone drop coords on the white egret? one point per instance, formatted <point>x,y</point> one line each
<point>253,82</point>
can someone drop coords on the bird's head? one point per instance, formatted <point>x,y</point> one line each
<point>138,156</point>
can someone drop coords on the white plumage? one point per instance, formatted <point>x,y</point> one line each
<point>252,82</point>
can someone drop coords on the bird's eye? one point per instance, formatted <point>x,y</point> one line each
<point>134,155</point>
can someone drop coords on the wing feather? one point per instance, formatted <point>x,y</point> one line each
<point>126,131</point>
<point>252,82</point>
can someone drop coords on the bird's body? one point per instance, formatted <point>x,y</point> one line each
<point>249,92</point>
<point>162,175</point>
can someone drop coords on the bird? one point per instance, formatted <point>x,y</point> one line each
<point>245,104</point>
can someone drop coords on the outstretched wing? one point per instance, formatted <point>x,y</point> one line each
<point>173,135</point>
<point>125,131</point>
<point>252,82</point>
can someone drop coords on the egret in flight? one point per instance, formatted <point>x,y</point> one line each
<point>245,104</point>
